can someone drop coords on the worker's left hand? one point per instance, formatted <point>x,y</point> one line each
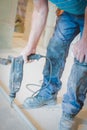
<point>80,50</point>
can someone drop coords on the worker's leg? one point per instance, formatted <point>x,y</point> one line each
<point>57,52</point>
<point>73,100</point>
<point>77,87</point>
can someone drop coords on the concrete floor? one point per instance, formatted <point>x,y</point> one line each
<point>11,119</point>
<point>47,117</point>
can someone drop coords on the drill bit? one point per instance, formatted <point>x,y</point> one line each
<point>11,102</point>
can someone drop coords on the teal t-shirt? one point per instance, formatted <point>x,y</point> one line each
<point>71,6</point>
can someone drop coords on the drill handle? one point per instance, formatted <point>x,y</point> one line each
<point>34,57</point>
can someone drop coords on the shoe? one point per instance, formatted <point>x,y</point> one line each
<point>47,95</point>
<point>38,101</point>
<point>66,123</point>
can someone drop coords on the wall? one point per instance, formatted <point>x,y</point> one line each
<point>8,10</point>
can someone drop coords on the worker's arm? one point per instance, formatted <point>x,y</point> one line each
<point>80,48</point>
<point>39,18</point>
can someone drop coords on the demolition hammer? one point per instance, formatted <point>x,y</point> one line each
<point>16,72</point>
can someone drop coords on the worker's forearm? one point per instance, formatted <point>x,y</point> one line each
<point>39,18</point>
<point>84,36</point>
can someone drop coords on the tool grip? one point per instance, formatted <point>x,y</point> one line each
<point>34,57</point>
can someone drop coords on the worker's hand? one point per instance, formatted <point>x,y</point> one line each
<point>80,50</point>
<point>26,52</point>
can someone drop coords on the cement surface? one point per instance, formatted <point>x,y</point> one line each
<point>9,118</point>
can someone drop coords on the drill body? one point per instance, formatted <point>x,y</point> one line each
<point>16,72</point>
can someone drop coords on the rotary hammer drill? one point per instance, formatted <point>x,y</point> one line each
<point>16,72</point>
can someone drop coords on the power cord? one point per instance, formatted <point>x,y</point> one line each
<point>27,85</point>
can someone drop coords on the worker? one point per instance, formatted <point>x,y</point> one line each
<point>69,24</point>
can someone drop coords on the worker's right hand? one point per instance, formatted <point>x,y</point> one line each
<point>26,52</point>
